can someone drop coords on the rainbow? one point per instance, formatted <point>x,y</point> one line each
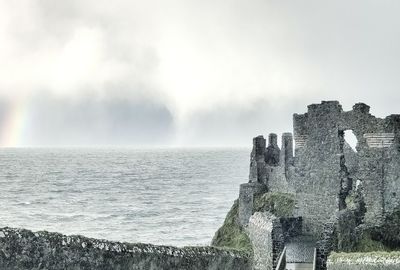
<point>14,123</point>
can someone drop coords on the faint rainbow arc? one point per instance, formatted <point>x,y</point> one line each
<point>14,124</point>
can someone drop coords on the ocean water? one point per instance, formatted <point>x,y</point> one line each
<point>162,196</point>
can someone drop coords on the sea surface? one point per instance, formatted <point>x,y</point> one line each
<point>162,196</point>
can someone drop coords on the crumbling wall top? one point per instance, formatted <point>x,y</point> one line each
<point>325,107</point>
<point>361,108</point>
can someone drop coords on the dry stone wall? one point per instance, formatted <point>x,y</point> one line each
<point>364,261</point>
<point>22,250</point>
<point>325,246</point>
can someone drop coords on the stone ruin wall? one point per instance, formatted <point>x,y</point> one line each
<point>263,230</point>
<point>317,166</point>
<point>268,235</point>
<point>320,156</point>
<point>324,169</point>
<point>25,250</point>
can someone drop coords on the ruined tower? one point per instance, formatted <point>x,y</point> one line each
<point>324,171</point>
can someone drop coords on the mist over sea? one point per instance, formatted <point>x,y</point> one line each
<point>161,196</point>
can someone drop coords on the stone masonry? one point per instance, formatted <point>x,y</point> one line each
<point>318,175</point>
<point>25,250</point>
<point>326,176</point>
<point>265,232</point>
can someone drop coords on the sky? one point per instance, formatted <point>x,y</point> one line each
<point>187,73</point>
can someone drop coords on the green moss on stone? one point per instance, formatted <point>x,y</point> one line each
<point>354,256</point>
<point>389,232</point>
<point>367,244</point>
<point>231,234</point>
<point>279,204</point>
<point>351,202</point>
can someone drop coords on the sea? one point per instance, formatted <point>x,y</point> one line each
<point>165,196</point>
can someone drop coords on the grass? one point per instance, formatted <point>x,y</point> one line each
<point>231,234</point>
<point>367,244</point>
<point>375,256</point>
<point>279,204</point>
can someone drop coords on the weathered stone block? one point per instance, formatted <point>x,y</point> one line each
<point>246,200</point>
<point>262,229</point>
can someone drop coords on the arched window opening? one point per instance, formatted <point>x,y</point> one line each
<point>351,139</point>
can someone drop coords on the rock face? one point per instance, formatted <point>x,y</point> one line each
<point>22,249</point>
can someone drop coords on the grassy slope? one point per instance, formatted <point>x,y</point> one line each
<point>232,235</point>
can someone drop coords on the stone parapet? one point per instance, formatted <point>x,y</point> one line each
<point>23,249</point>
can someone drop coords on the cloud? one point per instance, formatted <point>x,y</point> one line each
<point>93,120</point>
<point>211,65</point>
<point>68,47</point>
<point>235,124</point>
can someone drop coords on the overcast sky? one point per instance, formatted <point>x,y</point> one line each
<point>181,72</point>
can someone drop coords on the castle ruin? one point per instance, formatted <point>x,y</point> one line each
<point>341,195</point>
<point>310,197</point>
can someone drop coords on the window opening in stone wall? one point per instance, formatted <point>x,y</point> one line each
<point>351,139</point>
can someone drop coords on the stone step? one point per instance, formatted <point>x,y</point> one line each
<point>299,266</point>
<point>300,251</point>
